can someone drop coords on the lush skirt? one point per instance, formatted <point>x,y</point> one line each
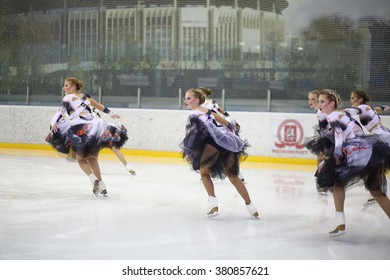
<point>86,137</point>
<point>364,158</point>
<point>208,146</point>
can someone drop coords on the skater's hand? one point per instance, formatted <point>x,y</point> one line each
<point>339,159</point>
<point>230,126</point>
<point>54,128</point>
<point>48,137</point>
<point>115,116</point>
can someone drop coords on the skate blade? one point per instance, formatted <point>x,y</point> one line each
<point>101,194</point>
<point>340,230</point>
<point>336,234</point>
<point>322,193</point>
<point>256,215</point>
<point>213,212</point>
<point>104,193</point>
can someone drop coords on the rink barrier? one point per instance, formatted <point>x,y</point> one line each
<point>156,133</point>
<point>46,150</point>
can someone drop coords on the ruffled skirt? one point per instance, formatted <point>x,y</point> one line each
<point>365,158</point>
<point>86,138</point>
<point>208,146</point>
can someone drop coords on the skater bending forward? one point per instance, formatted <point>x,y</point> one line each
<point>213,149</point>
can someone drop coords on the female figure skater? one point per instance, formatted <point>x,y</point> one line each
<point>368,118</point>
<point>213,106</point>
<point>321,129</point>
<point>312,98</point>
<point>82,132</point>
<point>367,115</point>
<point>354,157</point>
<point>213,150</point>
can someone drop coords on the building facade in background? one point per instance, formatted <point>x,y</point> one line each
<point>159,47</point>
<point>193,35</point>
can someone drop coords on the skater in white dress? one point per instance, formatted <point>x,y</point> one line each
<point>368,118</point>
<point>213,150</point>
<point>83,133</point>
<point>212,105</point>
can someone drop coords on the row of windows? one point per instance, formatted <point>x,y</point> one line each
<point>159,21</point>
<point>157,30</point>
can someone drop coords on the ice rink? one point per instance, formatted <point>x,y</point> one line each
<point>48,212</point>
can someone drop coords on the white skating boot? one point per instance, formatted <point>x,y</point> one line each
<point>338,226</point>
<point>212,205</point>
<point>95,187</point>
<point>131,171</point>
<point>102,188</point>
<point>94,182</point>
<point>252,210</point>
<point>370,199</point>
<point>321,190</point>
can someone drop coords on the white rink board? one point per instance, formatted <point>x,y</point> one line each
<point>268,134</point>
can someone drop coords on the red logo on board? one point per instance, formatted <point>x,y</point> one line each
<point>290,134</point>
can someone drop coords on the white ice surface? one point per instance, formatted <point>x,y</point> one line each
<point>48,212</point>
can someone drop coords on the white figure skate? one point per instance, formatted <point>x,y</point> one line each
<point>252,210</point>
<point>212,205</point>
<point>338,227</point>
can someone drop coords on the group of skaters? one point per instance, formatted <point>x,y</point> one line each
<point>353,149</point>
<point>349,152</point>
<point>214,150</point>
